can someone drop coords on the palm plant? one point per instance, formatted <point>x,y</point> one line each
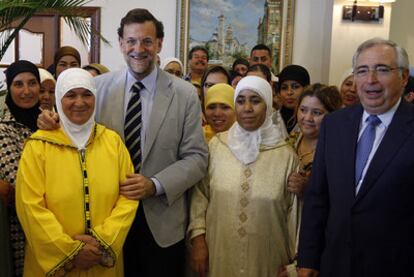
<point>22,10</point>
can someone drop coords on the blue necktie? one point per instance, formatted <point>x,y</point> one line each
<point>364,146</point>
<point>133,126</point>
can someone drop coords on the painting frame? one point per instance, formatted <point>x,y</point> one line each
<point>284,57</point>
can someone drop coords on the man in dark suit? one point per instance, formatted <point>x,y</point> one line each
<point>358,216</point>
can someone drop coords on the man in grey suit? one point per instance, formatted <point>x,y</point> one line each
<point>171,155</point>
<point>174,154</point>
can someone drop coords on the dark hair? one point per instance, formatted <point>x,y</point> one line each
<point>140,16</point>
<point>295,73</point>
<point>261,68</point>
<point>410,85</point>
<point>197,48</point>
<point>261,47</point>
<point>328,96</point>
<point>214,69</point>
<point>240,61</point>
<point>233,74</point>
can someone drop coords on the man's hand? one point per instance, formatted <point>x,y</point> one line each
<point>307,272</point>
<point>5,189</point>
<point>48,120</point>
<point>137,187</point>
<point>199,256</point>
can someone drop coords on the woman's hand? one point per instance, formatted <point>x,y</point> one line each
<point>5,189</point>
<point>90,255</point>
<point>307,272</point>
<point>282,272</point>
<point>48,120</point>
<point>199,255</point>
<point>297,183</point>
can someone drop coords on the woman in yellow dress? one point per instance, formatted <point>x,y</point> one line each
<point>67,193</point>
<point>243,221</point>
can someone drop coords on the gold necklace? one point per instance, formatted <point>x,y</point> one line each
<point>302,155</point>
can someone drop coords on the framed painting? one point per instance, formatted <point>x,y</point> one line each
<point>230,28</point>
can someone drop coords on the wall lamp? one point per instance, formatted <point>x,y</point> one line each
<point>364,13</point>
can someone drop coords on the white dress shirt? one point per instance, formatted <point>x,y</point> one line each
<point>147,101</point>
<point>380,131</point>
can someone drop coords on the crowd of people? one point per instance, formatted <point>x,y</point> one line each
<point>146,171</point>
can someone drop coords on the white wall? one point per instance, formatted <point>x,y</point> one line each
<point>401,30</point>
<point>312,36</point>
<point>347,36</point>
<point>111,13</point>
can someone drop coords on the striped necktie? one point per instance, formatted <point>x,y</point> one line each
<point>133,126</point>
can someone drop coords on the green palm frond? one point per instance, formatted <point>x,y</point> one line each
<point>22,10</point>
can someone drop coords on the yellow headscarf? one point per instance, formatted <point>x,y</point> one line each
<point>220,93</point>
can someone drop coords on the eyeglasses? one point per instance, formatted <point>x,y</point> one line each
<point>378,70</point>
<point>146,42</point>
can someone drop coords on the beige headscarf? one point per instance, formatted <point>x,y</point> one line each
<point>345,75</point>
<point>46,75</point>
<point>69,79</point>
<point>244,144</point>
<point>166,61</point>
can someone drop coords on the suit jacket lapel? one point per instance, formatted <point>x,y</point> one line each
<point>162,100</point>
<point>397,133</point>
<point>116,103</point>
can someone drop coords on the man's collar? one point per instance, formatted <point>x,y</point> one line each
<point>385,117</point>
<point>148,81</point>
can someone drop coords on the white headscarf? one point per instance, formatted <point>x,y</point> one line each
<point>69,79</point>
<point>244,144</point>
<point>45,75</point>
<point>345,75</point>
<point>166,61</point>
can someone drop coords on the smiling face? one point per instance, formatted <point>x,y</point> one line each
<point>220,117</point>
<point>289,93</point>
<point>140,47</point>
<point>379,92</point>
<point>348,93</point>
<point>47,95</point>
<point>199,61</point>
<point>250,110</point>
<point>310,114</point>
<point>24,90</point>
<point>66,62</point>
<point>78,105</point>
